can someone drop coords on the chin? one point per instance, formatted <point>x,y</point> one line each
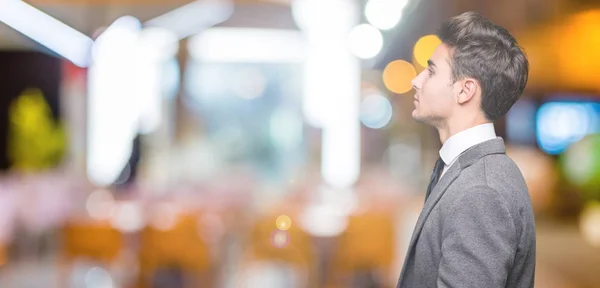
<point>415,115</point>
<point>420,118</point>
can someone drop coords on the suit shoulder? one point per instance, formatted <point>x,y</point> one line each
<point>505,177</point>
<point>501,175</point>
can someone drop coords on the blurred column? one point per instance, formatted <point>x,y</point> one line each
<point>73,104</point>
<point>157,82</point>
<point>113,105</point>
<point>332,84</point>
<point>182,117</point>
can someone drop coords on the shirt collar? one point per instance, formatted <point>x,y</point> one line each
<point>461,141</point>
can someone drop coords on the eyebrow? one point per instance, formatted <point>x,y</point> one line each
<point>430,63</point>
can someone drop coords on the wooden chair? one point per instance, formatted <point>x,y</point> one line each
<point>366,247</point>
<point>94,241</point>
<point>287,249</point>
<point>179,247</point>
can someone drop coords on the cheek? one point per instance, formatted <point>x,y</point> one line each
<point>431,90</point>
<point>438,96</point>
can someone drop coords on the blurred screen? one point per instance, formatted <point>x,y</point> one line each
<point>520,123</point>
<point>561,123</point>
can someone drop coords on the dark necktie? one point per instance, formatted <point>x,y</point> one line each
<point>435,176</point>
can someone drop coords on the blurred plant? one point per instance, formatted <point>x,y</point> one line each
<point>581,166</point>
<point>35,141</point>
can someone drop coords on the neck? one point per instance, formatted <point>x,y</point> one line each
<point>451,128</point>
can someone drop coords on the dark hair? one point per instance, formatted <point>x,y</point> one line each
<point>490,54</point>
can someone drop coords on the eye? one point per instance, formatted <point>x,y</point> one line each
<point>430,72</point>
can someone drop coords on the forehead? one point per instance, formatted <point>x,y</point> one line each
<point>441,56</point>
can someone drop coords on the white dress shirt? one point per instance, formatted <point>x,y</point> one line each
<point>461,141</point>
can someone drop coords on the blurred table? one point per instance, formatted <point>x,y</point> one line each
<point>564,259</point>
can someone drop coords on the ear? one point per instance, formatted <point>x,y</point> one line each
<point>467,89</point>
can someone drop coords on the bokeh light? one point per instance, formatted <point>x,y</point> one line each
<point>365,41</point>
<point>98,278</point>
<point>397,76</point>
<point>581,165</point>
<point>384,14</point>
<point>128,217</point>
<point>283,222</point>
<point>100,204</point>
<point>315,15</point>
<point>589,223</point>
<point>329,217</point>
<point>375,111</point>
<point>424,48</point>
<point>164,216</point>
<point>280,239</point>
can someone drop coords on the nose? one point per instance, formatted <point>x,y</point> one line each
<point>413,83</point>
<point>417,82</point>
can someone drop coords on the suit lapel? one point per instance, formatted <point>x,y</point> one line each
<point>495,146</point>
<point>435,196</point>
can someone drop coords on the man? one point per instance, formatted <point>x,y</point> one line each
<point>477,226</point>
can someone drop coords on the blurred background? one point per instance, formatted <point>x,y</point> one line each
<point>267,143</point>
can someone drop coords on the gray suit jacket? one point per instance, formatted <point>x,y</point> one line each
<point>477,228</point>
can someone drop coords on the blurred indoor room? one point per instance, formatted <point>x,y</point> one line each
<point>267,143</point>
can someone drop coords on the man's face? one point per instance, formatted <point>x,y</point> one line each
<point>434,95</point>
